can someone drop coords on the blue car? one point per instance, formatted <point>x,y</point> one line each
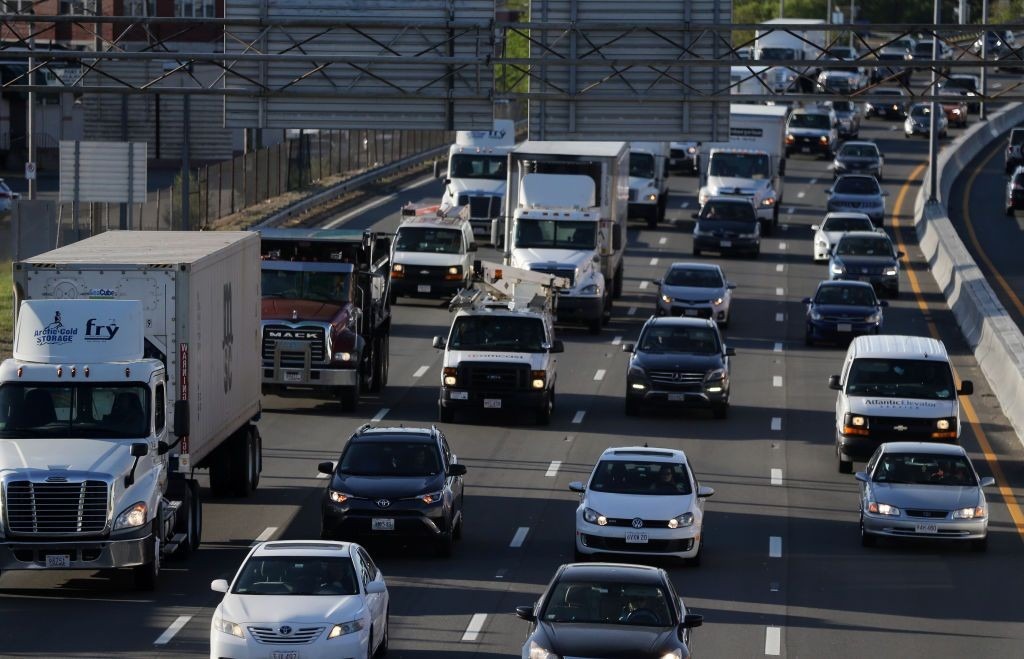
<point>841,310</point>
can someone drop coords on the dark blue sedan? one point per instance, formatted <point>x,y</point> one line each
<point>841,310</point>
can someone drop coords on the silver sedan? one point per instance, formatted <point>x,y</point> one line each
<point>698,290</point>
<point>923,490</point>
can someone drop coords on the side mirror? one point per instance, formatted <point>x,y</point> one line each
<point>140,449</point>
<point>828,193</point>
<point>376,587</point>
<point>526,613</point>
<point>446,182</point>
<point>883,303</point>
<point>862,476</point>
<point>557,346</point>
<point>457,469</point>
<point>987,481</point>
<point>885,193</point>
<point>815,227</point>
<point>162,447</point>
<point>705,492</point>
<point>806,300</point>
<point>834,383</point>
<point>438,342</point>
<point>966,388</point>
<point>628,347</point>
<point>576,486</point>
<point>731,286</point>
<point>219,585</point>
<point>472,247</point>
<point>326,467</point>
<point>656,282</point>
<point>730,352</point>
<point>181,418</point>
<point>691,620</point>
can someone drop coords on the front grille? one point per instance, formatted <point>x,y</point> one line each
<point>647,523</point>
<point>294,341</point>
<point>482,376</point>
<point>295,635</point>
<point>58,508</point>
<point>927,514</point>
<point>844,318</point>
<point>568,273</point>
<point>677,154</point>
<point>691,312</point>
<point>676,378</point>
<point>902,428</point>
<point>619,544</point>
<point>485,207</point>
<point>848,204</point>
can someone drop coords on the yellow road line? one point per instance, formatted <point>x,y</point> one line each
<point>991,270</point>
<point>972,417</point>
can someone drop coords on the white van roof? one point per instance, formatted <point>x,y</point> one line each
<point>898,346</point>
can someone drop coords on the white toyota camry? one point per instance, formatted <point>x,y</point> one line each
<point>302,600</point>
<point>641,501</point>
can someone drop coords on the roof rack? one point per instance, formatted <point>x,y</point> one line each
<point>439,213</point>
<point>498,286</point>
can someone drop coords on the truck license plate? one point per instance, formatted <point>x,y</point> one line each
<point>726,243</point>
<point>382,524</point>
<point>677,397</point>
<point>290,654</point>
<point>492,403</point>
<point>423,288</point>
<point>460,395</point>
<point>844,327</point>
<point>636,538</point>
<point>926,528</point>
<point>58,560</point>
<point>293,376</point>
<point>805,149</point>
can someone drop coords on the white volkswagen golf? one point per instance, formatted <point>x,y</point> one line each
<point>641,501</point>
<point>302,600</point>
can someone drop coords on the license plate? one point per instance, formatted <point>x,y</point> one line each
<point>805,149</point>
<point>926,528</point>
<point>423,288</point>
<point>676,397</point>
<point>277,654</point>
<point>382,524</point>
<point>460,395</point>
<point>492,403</point>
<point>293,376</point>
<point>58,560</point>
<point>690,312</point>
<point>636,538</point>
<point>726,243</point>
<point>844,327</point>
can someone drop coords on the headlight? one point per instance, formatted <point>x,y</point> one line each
<point>594,517</point>
<point>970,513</point>
<point>691,150</point>
<point>455,270</point>
<point>890,272</point>
<point>666,299</point>
<point>338,497</point>
<point>345,628</point>
<point>942,424</point>
<point>652,197</point>
<point>790,139</point>
<point>874,318</point>
<point>539,652</point>
<point>680,521</point>
<point>538,379</point>
<point>674,654</point>
<point>717,374</point>
<point>956,110</point>
<point>636,372</point>
<point>133,516</point>
<point>837,268</point>
<point>815,315</point>
<point>227,627</point>
<point>856,424</point>
<point>398,270</point>
<point>883,509</point>
<point>768,201</point>
<point>858,421</point>
<point>449,376</point>
<point>718,301</point>
<point>342,357</point>
<point>432,497</point>
<point>590,289</point>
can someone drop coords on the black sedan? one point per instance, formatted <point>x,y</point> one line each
<point>394,483</point>
<point>841,310</point>
<point>678,361</point>
<point>867,256</point>
<point>609,610</point>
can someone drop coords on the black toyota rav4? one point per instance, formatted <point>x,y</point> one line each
<point>401,483</point>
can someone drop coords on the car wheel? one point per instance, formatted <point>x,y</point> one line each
<point>369,645</point>
<point>382,649</point>
<point>445,414</point>
<point>544,412</point>
<point>147,576</point>
<point>720,410</point>
<point>594,326</point>
<point>577,555</point>
<point>632,407</point>
<point>1009,211</point>
<point>866,539</point>
<point>845,466</point>
<point>979,545</point>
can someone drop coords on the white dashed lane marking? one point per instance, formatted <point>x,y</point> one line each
<point>631,311</point>
<point>553,468</point>
<point>775,547</point>
<point>801,194</point>
<point>379,416</point>
<point>779,267</point>
<point>644,284</point>
<point>773,641</point>
<point>617,341</point>
<point>476,625</point>
<point>776,477</point>
<point>520,537</point>
<point>579,417</point>
<point>777,348</point>
<point>780,317</point>
<point>599,375</point>
<point>776,380</point>
<point>654,261</point>
<point>780,291</point>
<point>420,372</point>
<point>782,246</point>
<point>267,534</point>
<point>663,240</point>
<point>173,629</point>
<point>776,423</point>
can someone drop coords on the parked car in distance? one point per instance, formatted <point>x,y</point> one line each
<point>832,228</point>
<point>841,310</point>
<point>896,108</point>
<point>858,193</point>
<point>609,609</point>
<point>923,490</point>
<point>680,362</point>
<point>395,483</point>
<point>919,121</point>
<point>641,501</point>
<point>1015,191</point>
<point>858,158</point>
<point>867,256</point>
<point>699,290</point>
<point>327,597</point>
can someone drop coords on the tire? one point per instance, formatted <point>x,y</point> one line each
<point>632,407</point>
<point>696,251</point>
<point>386,354</point>
<point>382,649</point>
<point>376,379</point>
<point>220,471</point>
<point>652,219</point>
<point>197,515</point>
<point>617,283</point>
<point>369,645</point>
<point>457,531</point>
<point>578,556</point>
<point>720,410</point>
<point>348,397</point>
<point>808,340</point>
<point>242,449</point>
<point>1009,212</point>
<point>544,413</point>
<point>980,545</point>
<point>445,545</point>
<point>147,576</point>
<point>445,414</point>
<point>866,539</point>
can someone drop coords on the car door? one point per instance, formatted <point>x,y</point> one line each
<point>454,484</point>
<point>376,603</point>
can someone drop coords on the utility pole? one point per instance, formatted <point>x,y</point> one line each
<point>30,120</point>
<point>933,118</point>
<point>186,147</point>
<point>984,57</point>
<point>782,8</point>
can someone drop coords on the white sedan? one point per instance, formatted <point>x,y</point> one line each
<point>641,501</point>
<point>831,229</point>
<point>302,599</point>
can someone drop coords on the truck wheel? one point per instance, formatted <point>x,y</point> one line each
<point>348,397</point>
<point>147,575</point>
<point>632,407</point>
<point>242,448</point>
<point>445,414</point>
<point>373,385</point>
<point>617,283</point>
<point>184,523</point>
<point>652,216</point>
<point>545,410</point>
<point>386,354</point>
<point>720,411</point>
<point>197,514</point>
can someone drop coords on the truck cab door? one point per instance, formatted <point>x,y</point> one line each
<point>160,425</point>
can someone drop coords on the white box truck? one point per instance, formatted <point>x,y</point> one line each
<point>136,362</point>
<point>805,42</point>
<point>752,163</point>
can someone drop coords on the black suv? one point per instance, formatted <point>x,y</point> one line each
<point>678,361</point>
<point>394,483</point>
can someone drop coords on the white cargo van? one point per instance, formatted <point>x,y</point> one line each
<point>432,254</point>
<point>648,180</point>
<point>894,388</point>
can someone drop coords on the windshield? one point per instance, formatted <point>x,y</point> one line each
<point>856,185</point>
<point>424,239</point>
<point>889,378</point>
<point>859,151</point>
<point>297,575</point>
<point>606,603</point>
<point>961,83</point>
<point>641,165</point>
<point>777,53</point>
<point>680,338</point>
<point>390,458</point>
<point>864,246</point>
<point>639,477</point>
<point>920,111</point>
<point>848,224</point>
<point>696,277</point>
<point>564,234</point>
<point>515,334</point>
<point>478,165</point>
<point>854,296</point>
<point>740,165</point>
<point>736,212</point>
<point>924,469</point>
<point>318,286</point>
<point>810,121</point>
<point>79,410</point>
